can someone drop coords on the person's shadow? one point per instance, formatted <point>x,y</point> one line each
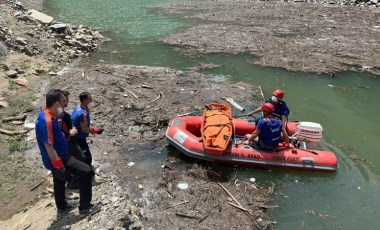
<point>66,220</point>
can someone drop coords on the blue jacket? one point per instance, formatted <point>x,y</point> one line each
<point>270,130</point>
<point>79,115</point>
<point>48,132</point>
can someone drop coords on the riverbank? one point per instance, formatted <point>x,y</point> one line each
<point>32,51</point>
<point>134,105</point>
<point>321,38</point>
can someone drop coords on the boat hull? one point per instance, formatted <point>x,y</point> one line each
<point>184,134</point>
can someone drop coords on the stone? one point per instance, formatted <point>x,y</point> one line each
<point>3,49</point>
<point>41,17</point>
<point>97,35</point>
<point>11,73</point>
<point>28,51</point>
<point>3,104</point>
<point>76,43</point>
<point>58,26</point>
<point>21,41</point>
<point>26,18</point>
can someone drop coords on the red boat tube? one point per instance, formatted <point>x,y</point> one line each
<point>184,133</point>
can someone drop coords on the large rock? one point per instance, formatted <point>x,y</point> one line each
<point>3,49</point>
<point>11,73</point>
<point>41,17</point>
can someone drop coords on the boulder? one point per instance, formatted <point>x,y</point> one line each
<point>41,17</point>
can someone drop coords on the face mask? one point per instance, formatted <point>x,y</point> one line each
<point>60,112</point>
<point>274,98</point>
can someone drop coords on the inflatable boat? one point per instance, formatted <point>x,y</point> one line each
<point>186,134</point>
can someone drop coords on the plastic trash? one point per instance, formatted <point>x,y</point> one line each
<point>252,179</point>
<point>182,185</point>
<point>131,164</point>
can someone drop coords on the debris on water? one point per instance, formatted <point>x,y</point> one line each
<point>252,179</point>
<point>182,185</point>
<point>358,187</point>
<point>330,86</point>
<point>296,181</point>
<point>131,164</point>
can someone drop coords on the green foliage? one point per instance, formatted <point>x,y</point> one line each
<point>16,143</point>
<point>12,85</point>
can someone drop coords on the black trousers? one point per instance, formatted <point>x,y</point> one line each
<point>75,150</point>
<point>84,173</point>
<point>82,142</point>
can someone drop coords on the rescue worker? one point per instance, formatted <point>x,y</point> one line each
<point>70,131</point>
<point>81,120</point>
<point>55,157</point>
<point>268,130</point>
<point>281,109</point>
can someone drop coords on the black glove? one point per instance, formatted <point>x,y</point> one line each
<point>60,174</point>
<point>97,130</point>
<point>101,130</point>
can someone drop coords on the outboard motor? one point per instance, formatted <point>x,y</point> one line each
<point>309,133</point>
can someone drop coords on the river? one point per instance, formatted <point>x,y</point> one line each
<point>345,105</point>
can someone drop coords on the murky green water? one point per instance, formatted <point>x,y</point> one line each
<point>349,113</point>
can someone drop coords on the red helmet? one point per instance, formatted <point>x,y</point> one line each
<point>278,93</point>
<point>267,108</point>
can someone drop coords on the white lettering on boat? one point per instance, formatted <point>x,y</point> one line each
<point>180,136</point>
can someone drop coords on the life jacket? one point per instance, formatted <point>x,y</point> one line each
<point>278,107</point>
<point>270,130</point>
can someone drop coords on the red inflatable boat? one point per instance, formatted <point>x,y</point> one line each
<point>184,133</point>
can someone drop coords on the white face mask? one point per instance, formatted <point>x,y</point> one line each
<point>60,112</point>
<point>274,98</point>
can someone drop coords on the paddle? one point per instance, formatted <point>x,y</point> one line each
<point>244,115</point>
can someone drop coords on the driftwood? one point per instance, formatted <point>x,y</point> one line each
<point>271,189</point>
<point>38,185</point>
<point>121,87</point>
<point>157,98</point>
<point>232,102</point>
<point>174,205</point>
<point>261,91</point>
<point>186,215</point>
<point>237,202</point>
<point>203,218</point>
<point>16,118</point>
<point>185,114</point>
<point>12,133</point>
<point>146,86</point>
<point>241,208</point>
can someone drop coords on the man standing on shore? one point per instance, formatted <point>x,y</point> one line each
<point>54,151</point>
<point>70,131</point>
<point>81,120</point>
